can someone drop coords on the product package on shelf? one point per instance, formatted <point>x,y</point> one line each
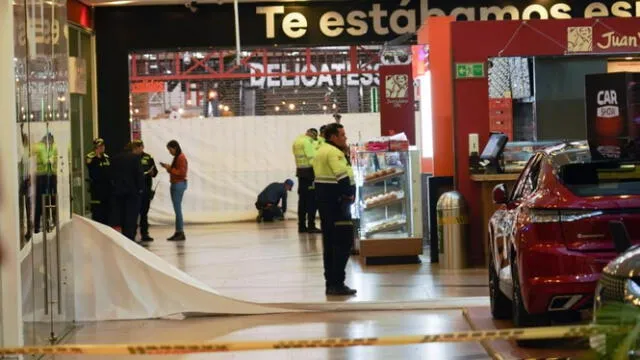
<point>394,223</point>
<point>382,174</point>
<point>383,199</point>
<point>398,142</point>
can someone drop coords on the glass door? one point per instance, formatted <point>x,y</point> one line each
<point>44,134</point>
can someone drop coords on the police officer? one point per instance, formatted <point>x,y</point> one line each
<point>99,164</point>
<point>128,186</point>
<point>46,153</point>
<point>304,152</point>
<point>150,171</point>
<point>335,194</point>
<point>320,140</point>
<point>268,200</point>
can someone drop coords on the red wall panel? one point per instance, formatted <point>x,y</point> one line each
<point>477,41</point>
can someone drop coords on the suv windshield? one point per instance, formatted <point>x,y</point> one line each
<point>601,178</point>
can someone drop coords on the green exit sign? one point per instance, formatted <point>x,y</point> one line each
<point>469,70</point>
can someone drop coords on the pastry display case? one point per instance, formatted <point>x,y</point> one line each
<point>385,204</point>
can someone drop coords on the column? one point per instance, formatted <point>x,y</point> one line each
<point>10,289</point>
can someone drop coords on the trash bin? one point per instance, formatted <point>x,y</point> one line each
<point>452,230</point>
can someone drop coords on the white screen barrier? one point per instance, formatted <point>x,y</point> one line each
<point>231,159</point>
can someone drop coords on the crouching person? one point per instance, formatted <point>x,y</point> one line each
<point>270,198</point>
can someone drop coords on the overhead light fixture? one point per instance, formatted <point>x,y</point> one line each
<point>277,108</point>
<point>226,108</point>
<point>628,58</point>
<point>292,107</point>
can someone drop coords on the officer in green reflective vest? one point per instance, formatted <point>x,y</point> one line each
<point>99,164</point>
<point>46,154</point>
<point>335,194</point>
<point>304,152</point>
<point>320,140</point>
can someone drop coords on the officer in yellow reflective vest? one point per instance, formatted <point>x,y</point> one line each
<point>99,164</point>
<point>335,194</point>
<point>304,152</point>
<point>320,140</point>
<point>46,154</point>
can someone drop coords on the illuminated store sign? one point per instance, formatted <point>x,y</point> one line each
<point>532,9</point>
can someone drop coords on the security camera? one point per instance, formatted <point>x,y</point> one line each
<point>192,5</point>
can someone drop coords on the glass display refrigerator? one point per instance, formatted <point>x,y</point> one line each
<point>388,205</point>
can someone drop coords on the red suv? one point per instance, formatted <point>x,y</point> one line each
<point>550,239</point>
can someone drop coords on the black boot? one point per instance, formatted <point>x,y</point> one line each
<point>178,236</point>
<point>146,238</point>
<point>314,230</point>
<point>342,290</point>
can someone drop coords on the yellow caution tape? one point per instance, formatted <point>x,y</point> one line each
<point>216,347</point>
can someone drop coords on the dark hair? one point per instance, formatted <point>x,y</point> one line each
<point>174,145</point>
<point>313,130</point>
<point>332,129</point>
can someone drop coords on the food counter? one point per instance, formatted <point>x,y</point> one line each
<point>487,183</point>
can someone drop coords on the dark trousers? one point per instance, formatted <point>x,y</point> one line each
<point>269,213</point>
<point>45,185</point>
<point>25,210</point>
<point>306,203</point>
<point>125,211</point>
<point>337,240</point>
<point>100,206</point>
<point>144,213</point>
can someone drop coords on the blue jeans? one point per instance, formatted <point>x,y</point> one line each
<point>177,192</point>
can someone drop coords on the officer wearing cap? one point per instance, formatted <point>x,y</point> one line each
<point>100,182</point>
<point>150,171</point>
<point>335,191</point>
<point>270,197</point>
<point>304,152</point>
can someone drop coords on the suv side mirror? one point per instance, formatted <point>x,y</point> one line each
<point>500,194</point>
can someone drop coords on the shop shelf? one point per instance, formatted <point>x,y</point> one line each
<point>384,178</point>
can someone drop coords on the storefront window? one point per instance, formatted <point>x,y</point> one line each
<point>296,81</point>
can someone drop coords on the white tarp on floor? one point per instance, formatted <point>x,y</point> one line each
<point>232,159</point>
<point>116,279</point>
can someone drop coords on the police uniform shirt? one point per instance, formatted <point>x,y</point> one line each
<point>304,152</point>
<point>149,169</point>
<point>98,167</point>
<point>333,173</point>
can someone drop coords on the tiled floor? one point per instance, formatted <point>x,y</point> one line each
<point>294,326</point>
<point>273,263</point>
